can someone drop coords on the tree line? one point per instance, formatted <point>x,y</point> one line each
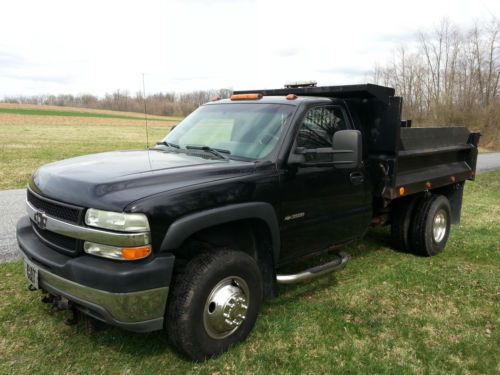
<point>450,76</point>
<point>162,104</point>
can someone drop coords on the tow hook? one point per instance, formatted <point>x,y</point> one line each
<point>61,304</point>
<point>58,303</point>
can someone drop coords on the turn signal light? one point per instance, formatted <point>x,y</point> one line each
<point>401,191</point>
<point>133,253</point>
<point>246,97</point>
<point>115,252</point>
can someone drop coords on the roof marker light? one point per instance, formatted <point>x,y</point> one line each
<point>291,97</point>
<point>255,96</point>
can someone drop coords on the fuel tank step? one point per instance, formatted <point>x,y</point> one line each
<point>314,272</point>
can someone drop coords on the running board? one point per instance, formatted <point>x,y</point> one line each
<point>314,272</point>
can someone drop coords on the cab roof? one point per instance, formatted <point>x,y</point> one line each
<point>274,99</point>
<point>363,91</point>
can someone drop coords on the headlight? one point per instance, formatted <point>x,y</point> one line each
<point>119,221</point>
<point>113,252</point>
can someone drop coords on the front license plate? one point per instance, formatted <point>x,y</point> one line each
<point>31,273</point>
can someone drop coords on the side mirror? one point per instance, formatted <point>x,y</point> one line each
<point>347,149</point>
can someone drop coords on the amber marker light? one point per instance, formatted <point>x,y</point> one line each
<point>428,185</point>
<point>246,97</point>
<point>133,253</point>
<point>453,179</point>
<point>291,97</point>
<point>401,191</point>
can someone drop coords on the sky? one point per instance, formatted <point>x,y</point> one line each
<point>98,47</point>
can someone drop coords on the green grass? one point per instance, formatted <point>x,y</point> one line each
<point>24,148</point>
<point>50,112</point>
<point>386,312</point>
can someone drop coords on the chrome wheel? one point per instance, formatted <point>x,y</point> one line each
<point>439,226</point>
<point>226,307</point>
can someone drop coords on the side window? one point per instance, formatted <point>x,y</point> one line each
<point>319,125</point>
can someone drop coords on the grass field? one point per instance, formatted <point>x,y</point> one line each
<point>386,312</point>
<point>31,136</point>
<point>6,107</point>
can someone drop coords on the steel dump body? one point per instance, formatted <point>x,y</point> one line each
<point>433,157</point>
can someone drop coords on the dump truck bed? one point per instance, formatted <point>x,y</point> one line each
<point>429,158</point>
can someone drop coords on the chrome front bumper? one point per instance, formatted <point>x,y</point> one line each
<point>131,295</point>
<point>140,311</point>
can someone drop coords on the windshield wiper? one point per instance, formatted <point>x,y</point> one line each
<point>168,144</point>
<point>214,151</point>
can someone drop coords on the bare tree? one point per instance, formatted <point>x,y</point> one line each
<point>452,77</point>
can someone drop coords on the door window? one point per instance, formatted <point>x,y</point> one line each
<point>319,125</point>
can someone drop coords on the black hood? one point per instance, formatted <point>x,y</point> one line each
<point>112,180</point>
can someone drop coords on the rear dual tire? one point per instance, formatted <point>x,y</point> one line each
<point>421,225</point>
<point>431,226</point>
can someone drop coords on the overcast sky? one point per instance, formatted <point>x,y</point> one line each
<point>87,46</point>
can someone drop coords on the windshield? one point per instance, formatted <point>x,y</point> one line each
<point>245,130</point>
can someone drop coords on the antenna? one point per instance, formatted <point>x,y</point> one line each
<point>145,110</point>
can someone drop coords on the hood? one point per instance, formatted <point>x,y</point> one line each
<point>112,180</point>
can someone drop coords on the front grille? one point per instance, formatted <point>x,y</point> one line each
<point>61,211</point>
<point>64,244</point>
<point>58,210</point>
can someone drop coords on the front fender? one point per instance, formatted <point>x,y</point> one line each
<point>183,228</point>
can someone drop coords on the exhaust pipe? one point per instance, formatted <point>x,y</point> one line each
<point>314,272</point>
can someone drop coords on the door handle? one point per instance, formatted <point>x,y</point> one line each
<point>356,178</point>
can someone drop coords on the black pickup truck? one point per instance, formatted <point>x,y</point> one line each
<point>191,235</point>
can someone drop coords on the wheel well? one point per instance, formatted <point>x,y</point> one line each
<point>251,236</point>
<point>454,194</point>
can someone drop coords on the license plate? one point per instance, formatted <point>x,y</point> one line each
<point>31,273</point>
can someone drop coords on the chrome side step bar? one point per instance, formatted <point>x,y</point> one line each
<point>314,272</point>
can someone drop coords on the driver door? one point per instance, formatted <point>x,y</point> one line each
<point>321,205</point>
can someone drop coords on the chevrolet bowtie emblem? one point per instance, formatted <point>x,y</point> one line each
<point>40,219</point>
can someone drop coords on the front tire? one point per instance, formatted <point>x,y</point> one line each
<point>214,303</point>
